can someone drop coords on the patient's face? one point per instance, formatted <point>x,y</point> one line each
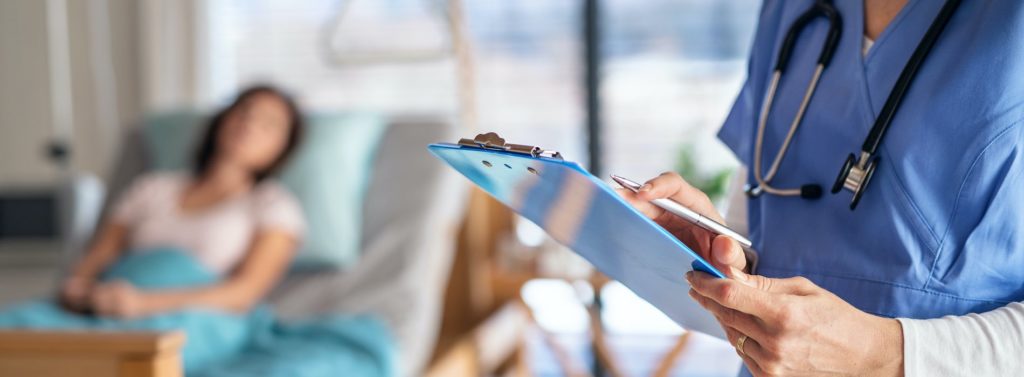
<point>255,132</point>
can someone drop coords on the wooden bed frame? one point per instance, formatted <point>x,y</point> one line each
<point>494,345</point>
<point>101,354</point>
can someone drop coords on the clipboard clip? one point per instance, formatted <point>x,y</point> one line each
<point>492,141</point>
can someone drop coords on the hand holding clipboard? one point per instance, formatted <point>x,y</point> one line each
<point>583,213</point>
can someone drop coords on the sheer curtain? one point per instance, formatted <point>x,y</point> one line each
<point>170,49</point>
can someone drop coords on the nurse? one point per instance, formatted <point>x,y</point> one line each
<point>925,277</point>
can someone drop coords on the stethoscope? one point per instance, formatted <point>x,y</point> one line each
<point>857,171</point>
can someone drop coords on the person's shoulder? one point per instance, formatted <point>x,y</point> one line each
<point>145,192</point>
<point>276,207</point>
<point>272,192</point>
<point>160,180</point>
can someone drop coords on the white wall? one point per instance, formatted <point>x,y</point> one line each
<point>26,99</point>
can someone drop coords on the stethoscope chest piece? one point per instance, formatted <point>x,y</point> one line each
<point>855,176</point>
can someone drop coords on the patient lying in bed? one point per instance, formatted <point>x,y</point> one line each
<point>226,213</point>
<point>199,250</point>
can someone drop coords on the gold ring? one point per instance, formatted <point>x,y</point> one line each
<point>739,345</point>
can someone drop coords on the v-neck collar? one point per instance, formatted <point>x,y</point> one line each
<point>863,60</point>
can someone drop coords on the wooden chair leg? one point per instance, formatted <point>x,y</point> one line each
<point>669,361</point>
<point>603,353</point>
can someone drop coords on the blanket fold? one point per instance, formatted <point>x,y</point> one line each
<point>222,344</point>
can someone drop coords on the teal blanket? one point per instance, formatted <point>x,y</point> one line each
<point>225,344</point>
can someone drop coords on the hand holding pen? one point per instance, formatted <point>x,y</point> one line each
<point>721,246</point>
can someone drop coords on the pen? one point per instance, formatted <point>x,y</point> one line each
<point>688,214</point>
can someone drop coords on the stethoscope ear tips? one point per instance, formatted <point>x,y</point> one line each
<point>752,191</point>
<point>810,191</point>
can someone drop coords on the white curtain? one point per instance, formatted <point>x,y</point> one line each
<point>170,46</point>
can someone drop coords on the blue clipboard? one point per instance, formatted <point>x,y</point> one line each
<point>583,213</point>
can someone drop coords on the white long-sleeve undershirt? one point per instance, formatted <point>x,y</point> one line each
<point>986,344</point>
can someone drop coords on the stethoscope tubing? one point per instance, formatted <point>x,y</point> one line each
<point>907,76</point>
<point>861,167</point>
<point>821,8</point>
<point>764,182</point>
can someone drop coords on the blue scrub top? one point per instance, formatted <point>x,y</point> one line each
<point>940,229</point>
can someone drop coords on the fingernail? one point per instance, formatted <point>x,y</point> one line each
<point>689,276</point>
<point>645,187</point>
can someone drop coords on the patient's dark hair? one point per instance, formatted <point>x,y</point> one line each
<point>208,145</point>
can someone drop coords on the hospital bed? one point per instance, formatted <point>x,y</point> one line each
<point>410,217</point>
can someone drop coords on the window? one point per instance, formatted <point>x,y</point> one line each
<point>525,55</point>
<point>671,69</point>
<point>671,72</point>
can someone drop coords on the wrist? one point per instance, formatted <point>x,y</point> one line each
<point>81,275</point>
<point>886,357</point>
<point>152,303</point>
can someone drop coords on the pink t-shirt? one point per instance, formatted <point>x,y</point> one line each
<point>219,236</point>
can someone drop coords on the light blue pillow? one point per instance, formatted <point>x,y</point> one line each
<point>172,138</point>
<point>328,175</point>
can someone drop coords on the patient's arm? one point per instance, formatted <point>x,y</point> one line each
<point>105,249</point>
<point>267,260</point>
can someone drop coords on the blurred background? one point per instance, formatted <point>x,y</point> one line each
<point>632,87</point>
